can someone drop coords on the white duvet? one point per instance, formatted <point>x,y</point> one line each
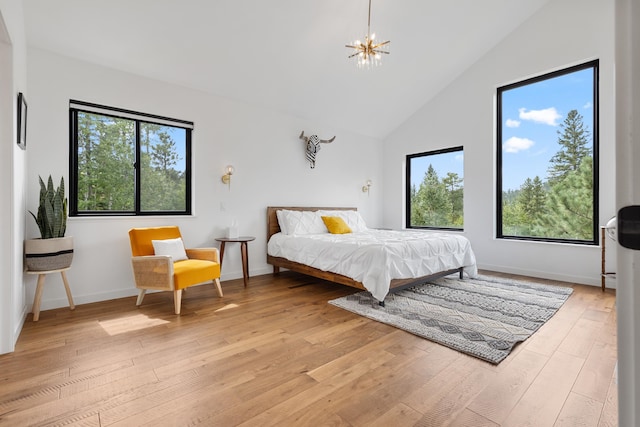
<point>375,257</point>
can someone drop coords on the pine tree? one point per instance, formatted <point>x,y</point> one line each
<point>105,159</point>
<point>431,207</point>
<point>514,219</point>
<point>570,205</point>
<point>573,140</point>
<point>532,197</point>
<point>453,184</point>
<point>163,186</point>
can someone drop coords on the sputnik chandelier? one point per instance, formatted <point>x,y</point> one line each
<point>369,52</point>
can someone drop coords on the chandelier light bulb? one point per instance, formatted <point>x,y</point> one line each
<point>363,51</point>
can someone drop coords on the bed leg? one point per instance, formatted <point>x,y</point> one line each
<point>381,303</point>
<point>276,269</point>
<point>461,274</point>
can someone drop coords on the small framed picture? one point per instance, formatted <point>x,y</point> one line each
<point>22,121</point>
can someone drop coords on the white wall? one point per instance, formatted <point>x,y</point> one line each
<point>262,145</point>
<point>562,33</point>
<point>12,173</point>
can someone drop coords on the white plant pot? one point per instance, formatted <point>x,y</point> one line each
<point>48,254</point>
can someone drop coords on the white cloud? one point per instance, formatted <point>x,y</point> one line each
<point>548,116</point>
<point>587,106</point>
<point>515,144</point>
<point>510,123</point>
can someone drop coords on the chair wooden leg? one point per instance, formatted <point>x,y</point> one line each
<point>218,287</point>
<point>140,297</point>
<point>177,300</point>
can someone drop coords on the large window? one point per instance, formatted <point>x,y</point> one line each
<point>128,163</point>
<point>547,156</point>
<point>435,189</point>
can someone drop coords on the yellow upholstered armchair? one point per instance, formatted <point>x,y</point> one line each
<point>161,262</point>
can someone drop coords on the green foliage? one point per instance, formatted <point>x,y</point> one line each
<point>522,210</point>
<point>454,186</point>
<point>569,206</point>
<point>514,220</point>
<point>52,210</point>
<point>561,208</point>
<point>437,203</point>
<point>106,166</point>
<point>163,187</point>
<point>532,197</point>
<point>106,155</point>
<point>573,140</point>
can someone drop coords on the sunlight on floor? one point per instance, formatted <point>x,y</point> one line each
<point>131,323</point>
<point>227,307</point>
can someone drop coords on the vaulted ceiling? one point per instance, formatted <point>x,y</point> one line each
<point>286,55</point>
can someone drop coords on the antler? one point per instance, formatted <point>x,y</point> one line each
<point>327,141</point>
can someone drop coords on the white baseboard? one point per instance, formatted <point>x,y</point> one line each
<point>86,299</point>
<point>583,280</point>
<point>50,304</point>
<point>132,291</point>
<point>254,272</point>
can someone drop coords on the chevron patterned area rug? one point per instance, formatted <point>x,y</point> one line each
<point>484,317</point>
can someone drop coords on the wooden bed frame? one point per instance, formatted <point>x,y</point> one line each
<point>273,227</point>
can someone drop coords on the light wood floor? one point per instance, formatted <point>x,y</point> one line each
<point>277,354</point>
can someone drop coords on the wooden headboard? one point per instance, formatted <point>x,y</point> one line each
<point>272,219</point>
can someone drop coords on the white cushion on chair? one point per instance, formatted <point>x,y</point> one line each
<point>171,247</point>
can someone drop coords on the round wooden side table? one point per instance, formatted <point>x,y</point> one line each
<point>243,240</point>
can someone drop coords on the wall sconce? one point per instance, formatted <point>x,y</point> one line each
<point>367,187</point>
<point>226,178</point>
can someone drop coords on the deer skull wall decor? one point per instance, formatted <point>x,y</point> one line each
<point>313,146</point>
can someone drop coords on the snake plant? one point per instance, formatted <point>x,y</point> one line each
<point>52,211</point>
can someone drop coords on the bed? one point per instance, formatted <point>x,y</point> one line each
<point>365,259</point>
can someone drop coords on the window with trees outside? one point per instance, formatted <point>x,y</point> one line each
<point>435,188</point>
<point>547,157</point>
<point>128,163</point>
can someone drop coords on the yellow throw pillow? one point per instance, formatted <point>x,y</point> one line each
<point>336,225</point>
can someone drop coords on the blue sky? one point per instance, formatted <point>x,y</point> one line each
<point>531,118</point>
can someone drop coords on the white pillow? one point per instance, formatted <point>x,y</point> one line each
<point>282,221</point>
<point>301,222</point>
<point>353,219</point>
<point>172,247</point>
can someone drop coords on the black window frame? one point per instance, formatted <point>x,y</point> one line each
<point>593,64</point>
<point>408,188</point>
<point>76,106</point>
